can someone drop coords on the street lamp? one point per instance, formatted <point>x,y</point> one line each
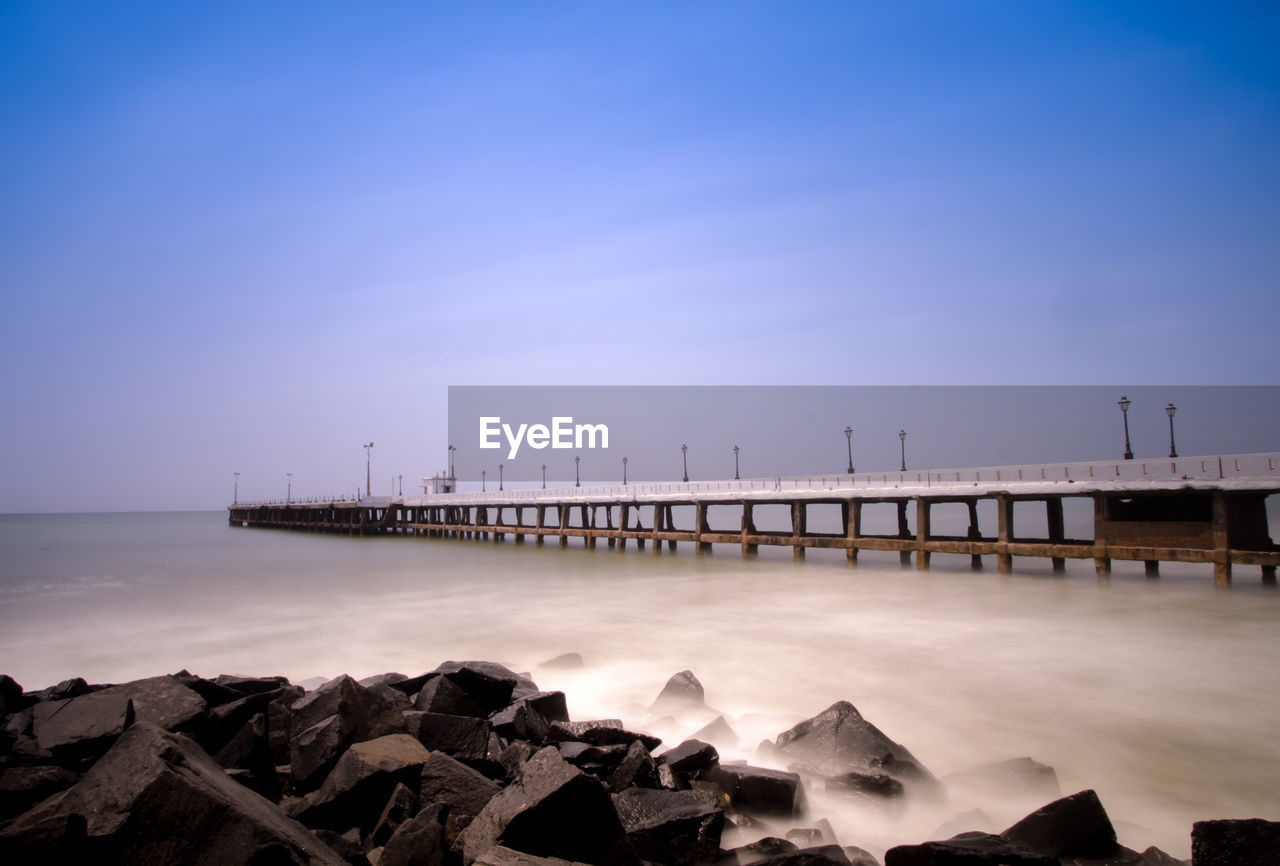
<point>483,472</point>
<point>367,485</point>
<point>544,476</point>
<point>499,476</point>
<point>848,436</point>
<point>1124,403</point>
<point>735,462</point>
<point>235,496</point>
<point>451,450</point>
<point>1173,452</point>
<point>684,455</point>
<point>577,482</point>
<point>624,472</point>
<point>402,485</point>
<point>288,496</point>
<point>902,438</point>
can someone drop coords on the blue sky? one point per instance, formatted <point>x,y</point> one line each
<point>249,237</point>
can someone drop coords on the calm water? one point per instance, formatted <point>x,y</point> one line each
<point>1163,695</point>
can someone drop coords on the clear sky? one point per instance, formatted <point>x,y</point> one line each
<point>253,236</point>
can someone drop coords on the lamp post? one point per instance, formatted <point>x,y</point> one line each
<point>684,455</point>
<point>483,472</point>
<point>288,496</point>
<point>902,438</point>
<point>402,485</point>
<point>1124,403</point>
<point>235,496</point>
<point>848,437</point>
<point>577,481</point>
<point>544,476</point>
<point>624,472</point>
<point>367,483</point>
<point>451,450</point>
<point>1173,452</point>
<point>735,462</point>
<point>499,476</point>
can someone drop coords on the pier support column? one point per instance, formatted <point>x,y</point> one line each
<point>564,524</point>
<point>1151,567</point>
<point>1004,533</point>
<point>904,531</point>
<point>519,524</point>
<point>671,525</point>
<point>624,525</point>
<point>657,527</point>
<point>1268,575</point>
<point>922,533</point>
<point>1053,511</point>
<point>797,530</point>
<point>1221,541</point>
<point>974,534</point>
<point>700,526</point>
<point>1101,562</point>
<point>748,528</point>
<point>588,514</point>
<point>851,512</point>
<point>540,519</point>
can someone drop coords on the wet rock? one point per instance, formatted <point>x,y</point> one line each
<point>682,691</point>
<point>326,722</point>
<point>864,785</point>
<point>488,684</point>
<point>501,856</point>
<point>453,784</point>
<point>11,697</point>
<point>314,751</point>
<point>758,790</point>
<point>250,751</point>
<point>1220,843</point>
<point>860,857</point>
<point>72,688</point>
<point>1016,776</point>
<point>419,841</point>
<point>513,757</point>
<point>839,740</point>
<point>388,679</point>
<point>600,732</point>
<point>214,694</point>
<point>401,806</point>
<point>82,726</point>
<point>441,695</point>
<point>520,721</point>
<point>827,855</point>
<point>599,761</point>
<point>228,719</point>
<point>717,732</point>
<point>251,685</point>
<point>967,849</point>
<point>808,837</point>
<point>1074,826</point>
<point>279,719</point>
<point>23,787</point>
<point>690,758</point>
<point>554,810</point>
<point>463,737</point>
<point>636,768</point>
<point>675,827</point>
<point>155,797</point>
<point>362,781</point>
<point>762,849</point>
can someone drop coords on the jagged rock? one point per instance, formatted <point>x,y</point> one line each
<point>554,810</point>
<point>600,732</point>
<point>564,662</point>
<point>550,705</point>
<point>690,757</point>
<point>314,751</point>
<point>674,827</point>
<point>865,784</point>
<point>420,841</point>
<point>682,691</point>
<point>214,694</point>
<point>454,784</point>
<point>636,768</point>
<point>762,849</point>
<point>520,721</point>
<point>81,726</point>
<point>23,787</point>
<point>1231,842</point>
<point>513,757</point>
<point>251,685</point>
<point>717,732</point>
<point>250,751</point>
<point>228,719</point>
<point>501,856</point>
<point>346,845</point>
<point>155,797</point>
<point>11,697</point>
<point>362,781</point>
<point>839,740</point>
<point>754,789</point>
<point>279,717</point>
<point>17,723</point>
<point>441,695</point>
<point>401,806</point>
<point>327,721</point>
<point>1016,776</point>
<point>967,849</point>
<point>65,690</point>
<point>859,857</point>
<point>488,684</point>
<point>807,837</point>
<point>1074,826</point>
<point>599,761</point>
<point>668,780</point>
<point>827,855</point>
<point>463,737</point>
<point>387,679</point>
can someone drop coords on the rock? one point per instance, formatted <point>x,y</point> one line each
<point>228,719</point>
<point>636,768</point>
<point>356,790</point>
<point>279,717</point>
<point>441,695</point>
<point>717,732</point>
<point>760,791</point>
<point>520,721</point>
<point>345,845</point>
<point>599,761</point>
<point>252,685</point>
<point>865,784</point>
<point>839,740</point>
<point>513,757</point>
<point>827,855</point>
<point>600,732</point>
<point>23,787</point>
<point>163,701</point>
<point>501,856</point>
<point>250,751</point>
<point>673,827</point>
<point>682,691</point>
<point>1219,843</point>
<point>451,783</point>
<point>690,757</point>
<point>82,726</point>
<point>465,738</point>
<point>314,751</point>
<point>965,822</point>
<point>554,810</point>
<point>401,806</point>
<point>387,679</point>
<point>1016,776</point>
<point>420,841</point>
<point>860,857</point>
<point>762,849</point>
<point>214,694</point>
<point>11,697</point>
<point>72,688</point>
<point>967,849</point>
<point>488,684</point>
<point>155,797</point>
<point>327,721</point>
<point>807,837</point>
<point>1075,826</point>
<point>564,662</point>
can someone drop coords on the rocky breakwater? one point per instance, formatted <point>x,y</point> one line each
<point>471,763</point>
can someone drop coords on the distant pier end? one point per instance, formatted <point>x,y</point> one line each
<point>1210,510</point>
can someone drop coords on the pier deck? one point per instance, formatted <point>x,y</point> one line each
<point>1208,510</point>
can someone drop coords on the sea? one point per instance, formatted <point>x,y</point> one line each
<point>1162,695</point>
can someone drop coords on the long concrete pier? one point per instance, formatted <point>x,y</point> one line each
<point>1208,510</point>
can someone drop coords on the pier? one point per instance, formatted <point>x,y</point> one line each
<point>1210,510</point>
